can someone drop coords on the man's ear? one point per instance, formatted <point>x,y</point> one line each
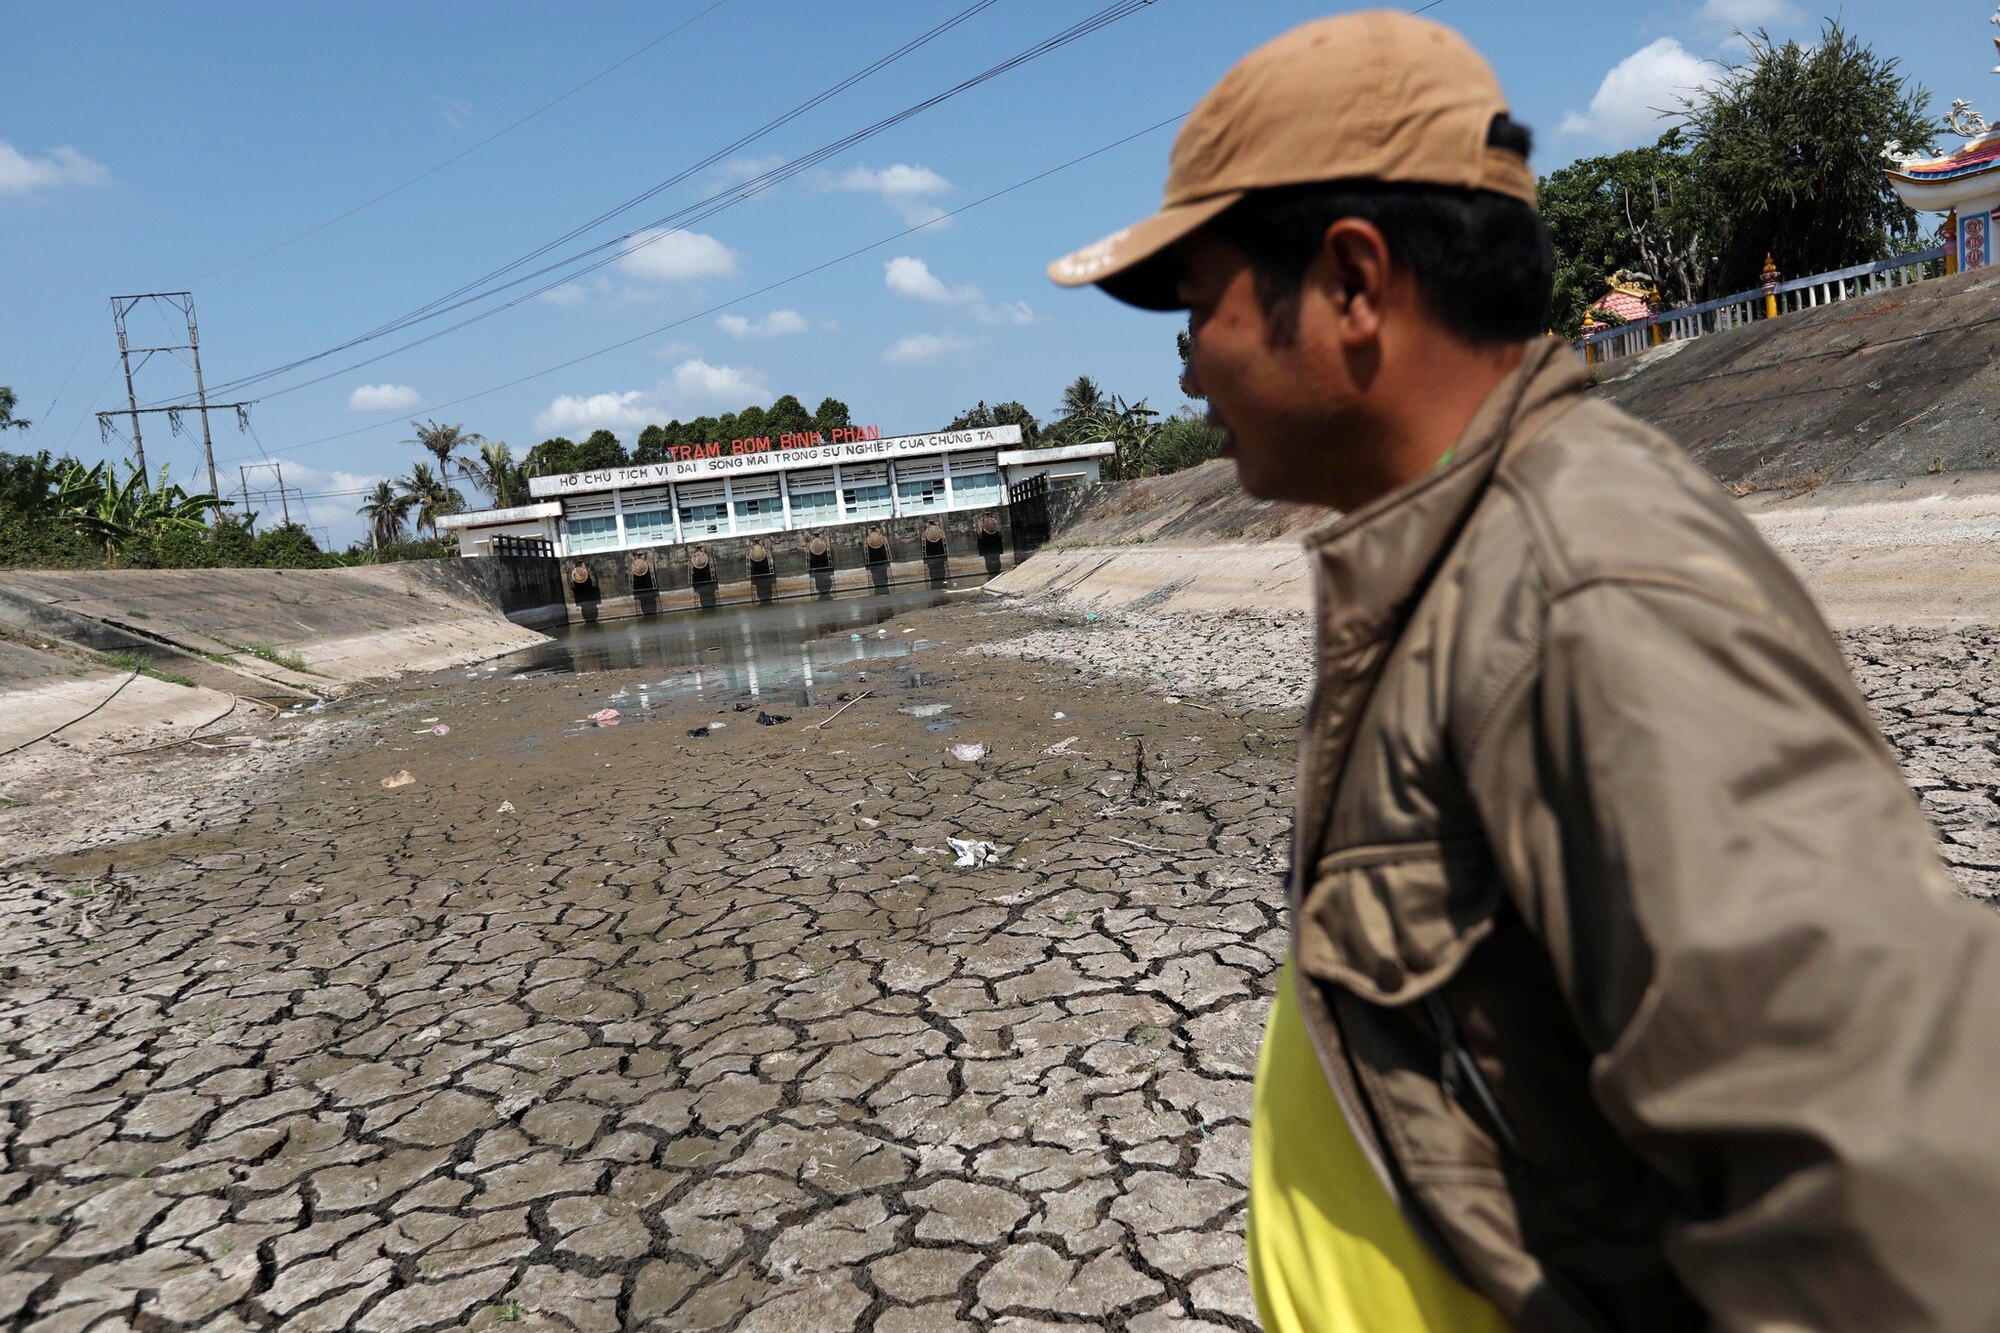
<point>1353,267</point>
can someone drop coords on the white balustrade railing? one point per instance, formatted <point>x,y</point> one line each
<point>1734,311</point>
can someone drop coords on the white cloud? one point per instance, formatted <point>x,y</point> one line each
<point>455,113</point>
<point>675,256</point>
<point>570,293</point>
<point>384,398</point>
<point>908,276</point>
<point>696,383</point>
<point>575,416</point>
<point>912,277</point>
<point>737,170</point>
<point>689,388</point>
<point>23,175</point>
<point>925,347</point>
<point>1655,78</point>
<point>904,188</point>
<point>1747,13</point>
<point>1007,312</point>
<point>770,326</point>
<point>675,351</point>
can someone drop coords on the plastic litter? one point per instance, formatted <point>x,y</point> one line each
<point>717,726</point>
<point>969,754</point>
<point>697,733</point>
<point>1090,617</point>
<point>925,710</point>
<point>402,778</point>
<point>909,631</point>
<point>973,852</point>
<point>1062,746</point>
<point>855,637</point>
<point>604,717</point>
<point>506,808</point>
<point>441,729</point>
<point>429,720</point>
<point>771,719</point>
<point>1061,716</point>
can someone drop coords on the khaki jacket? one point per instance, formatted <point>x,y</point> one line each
<point>1620,938</point>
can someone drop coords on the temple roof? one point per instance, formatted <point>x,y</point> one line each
<point>1983,155</point>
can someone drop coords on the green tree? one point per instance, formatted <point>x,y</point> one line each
<point>787,416</point>
<point>496,472</point>
<point>444,443</point>
<point>428,496</point>
<point>552,457</point>
<point>289,546</point>
<point>831,415</point>
<point>1791,140</point>
<point>1640,210</point>
<point>601,450</point>
<point>1001,414</point>
<point>1083,397</point>
<point>8,402</point>
<point>386,511</point>
<point>231,544</point>
<point>1182,441</point>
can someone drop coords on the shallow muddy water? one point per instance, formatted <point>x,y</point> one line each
<point>779,652</point>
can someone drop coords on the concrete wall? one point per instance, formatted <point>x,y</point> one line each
<point>612,593</point>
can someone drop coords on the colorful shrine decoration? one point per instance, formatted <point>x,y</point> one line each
<point>1964,185</point>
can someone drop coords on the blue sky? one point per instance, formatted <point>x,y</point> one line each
<point>149,147</point>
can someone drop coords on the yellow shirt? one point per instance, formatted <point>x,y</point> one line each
<point>1330,1251</point>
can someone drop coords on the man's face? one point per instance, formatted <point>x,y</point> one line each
<point>1282,406</point>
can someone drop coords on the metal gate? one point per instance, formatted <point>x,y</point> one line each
<point>1028,511</point>
<point>534,577</point>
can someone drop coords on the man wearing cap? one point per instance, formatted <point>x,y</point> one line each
<point>1626,990</point>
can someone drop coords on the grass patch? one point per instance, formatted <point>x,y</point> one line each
<point>134,662</point>
<point>8,803</point>
<point>265,652</point>
<point>138,615</point>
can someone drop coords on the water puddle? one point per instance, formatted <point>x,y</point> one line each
<point>778,655</point>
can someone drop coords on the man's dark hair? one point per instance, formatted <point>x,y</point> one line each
<point>1483,262</point>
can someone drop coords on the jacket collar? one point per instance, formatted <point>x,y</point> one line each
<point>1370,564</point>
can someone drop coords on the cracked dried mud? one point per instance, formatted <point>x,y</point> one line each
<point>707,1034</point>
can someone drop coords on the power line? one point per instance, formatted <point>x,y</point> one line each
<point>753,295</point>
<point>505,130</point>
<point>88,338</point>
<point>692,213</point>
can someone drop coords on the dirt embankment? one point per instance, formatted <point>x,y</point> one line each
<point>1859,436</point>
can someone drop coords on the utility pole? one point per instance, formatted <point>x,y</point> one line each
<point>183,302</point>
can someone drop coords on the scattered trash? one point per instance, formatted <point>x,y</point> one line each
<point>925,710</point>
<point>430,719</point>
<point>441,729</point>
<point>855,637</point>
<point>402,779</point>
<point>717,726</point>
<point>1061,716</point>
<point>1090,617</point>
<point>604,717</point>
<point>909,631</point>
<point>697,733</point>
<point>506,808</point>
<point>318,706</point>
<point>1062,746</point>
<point>969,754</point>
<point>771,719</point>
<point>838,711</point>
<point>881,634</point>
<point>972,852</point>
<point>867,822</point>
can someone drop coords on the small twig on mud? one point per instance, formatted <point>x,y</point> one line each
<point>1157,851</point>
<point>838,711</point>
<point>168,745</point>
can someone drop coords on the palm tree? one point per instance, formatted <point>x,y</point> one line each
<point>497,473</point>
<point>7,404</point>
<point>428,494</point>
<point>444,442</point>
<point>1082,398</point>
<point>385,511</point>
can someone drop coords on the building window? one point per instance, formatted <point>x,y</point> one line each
<point>976,491</point>
<point>920,485</point>
<point>599,533</point>
<point>759,508</point>
<point>702,511</point>
<point>649,527</point>
<point>864,487</point>
<point>813,502</point>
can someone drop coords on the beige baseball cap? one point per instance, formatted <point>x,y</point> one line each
<point>1379,96</point>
